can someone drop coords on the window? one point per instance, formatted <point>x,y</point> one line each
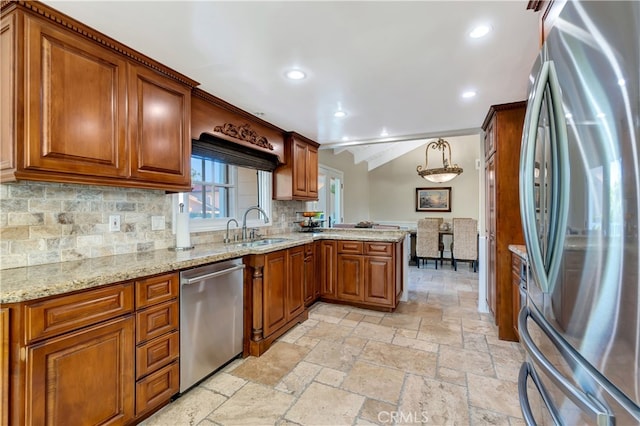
<point>222,192</point>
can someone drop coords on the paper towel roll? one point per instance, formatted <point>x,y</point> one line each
<point>183,238</point>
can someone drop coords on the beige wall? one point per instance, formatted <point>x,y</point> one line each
<point>356,184</point>
<point>392,186</point>
<point>387,193</point>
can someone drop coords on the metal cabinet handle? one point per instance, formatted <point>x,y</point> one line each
<point>595,408</point>
<point>199,278</point>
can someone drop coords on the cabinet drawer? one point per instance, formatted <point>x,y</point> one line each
<point>156,320</point>
<point>154,290</point>
<point>385,249</point>
<point>61,314</point>
<point>157,388</point>
<point>157,353</point>
<point>351,247</point>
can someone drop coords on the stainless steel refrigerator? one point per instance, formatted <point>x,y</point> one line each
<point>579,201</point>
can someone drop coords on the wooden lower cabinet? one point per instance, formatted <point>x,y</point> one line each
<point>328,261</point>
<point>311,290</point>
<point>87,374</point>
<point>350,280</point>
<point>379,280</point>
<point>275,296</point>
<point>94,357</point>
<point>368,274</point>
<point>4,366</point>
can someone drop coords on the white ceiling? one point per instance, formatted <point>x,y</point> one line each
<point>398,66</point>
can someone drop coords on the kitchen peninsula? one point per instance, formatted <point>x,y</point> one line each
<point>123,311</point>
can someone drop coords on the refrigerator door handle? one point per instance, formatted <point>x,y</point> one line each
<point>526,371</point>
<point>560,164</point>
<point>559,208</point>
<point>595,408</point>
<point>527,160</point>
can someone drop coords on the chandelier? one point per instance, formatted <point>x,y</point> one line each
<point>441,174</point>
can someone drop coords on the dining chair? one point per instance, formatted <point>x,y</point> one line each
<point>428,241</point>
<point>465,242</point>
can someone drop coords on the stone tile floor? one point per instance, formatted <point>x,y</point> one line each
<point>434,361</point>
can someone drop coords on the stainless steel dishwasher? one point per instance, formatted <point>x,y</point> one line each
<point>211,319</point>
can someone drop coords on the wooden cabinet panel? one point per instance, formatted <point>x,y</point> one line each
<point>351,247</point>
<point>379,249</point>
<point>75,116</point>
<point>350,280</point>
<point>328,261</point>
<point>156,320</point>
<point>297,179</point>
<point>295,281</point>
<point>274,293</point>
<point>80,107</point>
<point>300,169</point>
<point>88,374</point>
<point>65,313</point>
<point>8,81</point>
<point>379,280</point>
<point>156,289</point>
<point>157,388</point>
<point>503,130</point>
<point>4,366</point>
<point>157,353</point>
<point>159,128</point>
<point>311,291</point>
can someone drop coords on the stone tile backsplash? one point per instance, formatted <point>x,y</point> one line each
<point>48,222</point>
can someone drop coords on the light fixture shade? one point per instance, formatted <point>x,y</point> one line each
<point>440,174</point>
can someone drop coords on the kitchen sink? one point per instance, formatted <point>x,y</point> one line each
<point>262,242</point>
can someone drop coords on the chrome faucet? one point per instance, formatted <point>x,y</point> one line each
<point>226,238</point>
<point>244,220</point>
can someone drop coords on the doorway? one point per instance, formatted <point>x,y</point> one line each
<point>330,189</point>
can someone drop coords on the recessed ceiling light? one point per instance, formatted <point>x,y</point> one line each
<point>384,133</point>
<point>295,74</point>
<point>480,31</point>
<point>469,94</point>
<point>339,114</point>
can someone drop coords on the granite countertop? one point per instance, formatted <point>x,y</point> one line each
<point>520,250</point>
<point>33,282</point>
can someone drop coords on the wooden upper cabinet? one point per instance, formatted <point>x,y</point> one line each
<point>75,104</point>
<point>80,107</point>
<point>8,77</point>
<point>159,128</point>
<point>297,179</point>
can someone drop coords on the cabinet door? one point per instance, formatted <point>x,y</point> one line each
<point>75,104</point>
<point>491,276</point>
<point>159,127</point>
<point>350,280</point>
<point>328,269</point>
<point>87,374</point>
<point>312,172</point>
<point>274,296</point>
<point>310,281</point>
<point>295,282</point>
<point>300,169</point>
<point>379,275</point>
<point>7,105</point>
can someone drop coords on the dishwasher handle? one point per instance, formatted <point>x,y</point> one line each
<point>198,278</point>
